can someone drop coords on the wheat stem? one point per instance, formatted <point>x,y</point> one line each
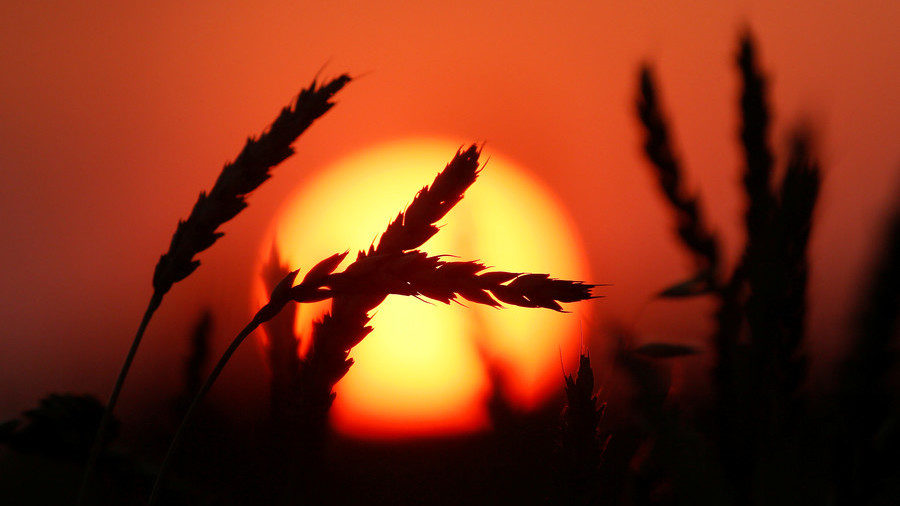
<point>99,439</point>
<point>280,296</point>
<point>226,199</point>
<point>189,415</point>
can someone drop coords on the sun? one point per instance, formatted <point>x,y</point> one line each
<point>424,370</point>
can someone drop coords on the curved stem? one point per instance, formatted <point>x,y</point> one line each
<point>179,434</point>
<point>99,439</point>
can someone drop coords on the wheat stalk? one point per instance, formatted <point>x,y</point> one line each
<point>281,295</point>
<point>703,244</point>
<point>778,228</point>
<point>237,179</point>
<point>690,222</point>
<point>756,381</point>
<point>371,278</point>
<point>582,445</point>
<point>200,230</point>
<point>793,219</point>
<point>392,267</point>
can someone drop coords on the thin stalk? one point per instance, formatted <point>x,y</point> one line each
<point>188,416</point>
<point>225,200</point>
<point>99,439</point>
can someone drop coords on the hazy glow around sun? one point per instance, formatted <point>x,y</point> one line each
<point>422,371</point>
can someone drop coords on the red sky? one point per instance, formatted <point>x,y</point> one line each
<point>113,116</point>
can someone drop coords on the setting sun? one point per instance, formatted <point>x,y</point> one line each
<point>424,369</point>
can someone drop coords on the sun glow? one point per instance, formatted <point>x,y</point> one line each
<point>424,369</point>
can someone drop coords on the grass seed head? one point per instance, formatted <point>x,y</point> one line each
<point>237,179</point>
<point>412,228</point>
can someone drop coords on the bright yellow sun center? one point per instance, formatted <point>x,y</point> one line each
<point>424,369</point>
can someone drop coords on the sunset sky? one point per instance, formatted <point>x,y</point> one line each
<point>114,115</point>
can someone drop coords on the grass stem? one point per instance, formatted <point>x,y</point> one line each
<point>100,439</point>
<point>189,415</point>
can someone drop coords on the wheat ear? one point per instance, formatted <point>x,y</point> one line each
<point>392,267</point>
<point>691,224</point>
<point>582,446</point>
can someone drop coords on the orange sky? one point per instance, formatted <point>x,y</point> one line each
<point>113,116</point>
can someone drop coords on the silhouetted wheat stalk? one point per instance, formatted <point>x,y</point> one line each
<point>778,226</point>
<point>767,289</point>
<point>226,199</point>
<point>793,223</point>
<point>703,244</point>
<point>394,266</point>
<point>582,445</point>
<point>690,222</point>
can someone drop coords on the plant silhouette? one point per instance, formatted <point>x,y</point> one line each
<point>393,266</point>
<point>765,434</point>
<point>199,231</point>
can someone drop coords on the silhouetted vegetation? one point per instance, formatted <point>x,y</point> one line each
<point>764,436</point>
<point>226,199</point>
<point>393,266</point>
<point>197,359</point>
<point>582,443</point>
<point>763,427</point>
